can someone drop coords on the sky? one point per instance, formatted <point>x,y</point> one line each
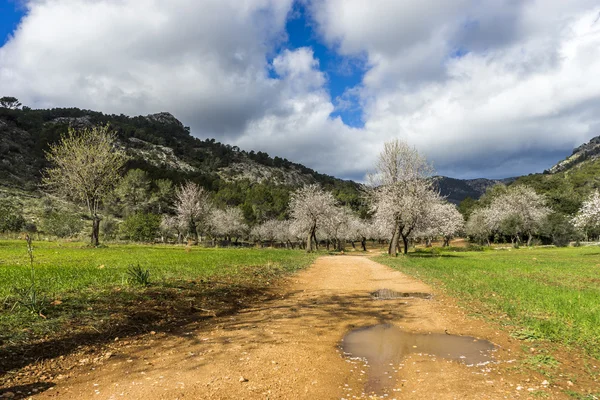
<point>483,88</point>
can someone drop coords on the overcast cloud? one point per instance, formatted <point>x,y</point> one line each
<point>483,87</point>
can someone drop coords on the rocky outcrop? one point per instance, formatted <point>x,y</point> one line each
<point>587,151</point>
<point>156,155</point>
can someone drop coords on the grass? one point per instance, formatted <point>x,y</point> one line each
<point>95,294</point>
<point>549,294</point>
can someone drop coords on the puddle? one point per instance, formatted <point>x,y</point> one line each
<point>387,294</point>
<point>385,346</point>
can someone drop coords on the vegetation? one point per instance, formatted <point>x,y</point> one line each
<point>11,219</point>
<point>28,134</point>
<point>85,169</point>
<point>550,293</point>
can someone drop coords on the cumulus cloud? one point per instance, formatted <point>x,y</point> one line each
<point>483,87</point>
<point>496,88</point>
<point>205,61</point>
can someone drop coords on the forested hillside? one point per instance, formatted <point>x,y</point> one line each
<point>161,146</point>
<point>567,184</point>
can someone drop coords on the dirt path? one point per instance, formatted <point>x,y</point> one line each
<point>288,348</point>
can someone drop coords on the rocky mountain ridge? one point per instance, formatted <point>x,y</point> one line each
<point>589,151</point>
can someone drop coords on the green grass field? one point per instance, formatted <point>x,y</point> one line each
<point>548,293</point>
<point>64,267</point>
<point>88,291</point>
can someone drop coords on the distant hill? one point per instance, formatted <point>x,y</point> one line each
<point>456,190</point>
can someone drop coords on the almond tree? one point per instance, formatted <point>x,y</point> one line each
<point>310,206</point>
<point>193,207</point>
<point>267,231</point>
<point>171,226</point>
<point>588,216</point>
<point>284,233</point>
<point>401,192</point>
<point>448,221</point>
<point>228,223</point>
<point>520,212</point>
<point>482,224</point>
<point>85,169</point>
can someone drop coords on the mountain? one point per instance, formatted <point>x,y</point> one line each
<point>586,153</point>
<point>163,147</point>
<point>456,190</point>
<point>570,181</point>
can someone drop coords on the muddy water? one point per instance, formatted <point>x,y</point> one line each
<point>385,346</point>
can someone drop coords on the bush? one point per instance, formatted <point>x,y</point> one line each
<point>62,224</point>
<point>109,228</point>
<point>559,230</point>
<point>11,219</point>
<point>141,227</point>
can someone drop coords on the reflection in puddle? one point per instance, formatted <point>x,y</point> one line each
<point>387,294</point>
<point>383,345</point>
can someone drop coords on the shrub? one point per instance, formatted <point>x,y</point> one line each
<point>109,228</point>
<point>62,224</point>
<point>11,219</point>
<point>141,227</point>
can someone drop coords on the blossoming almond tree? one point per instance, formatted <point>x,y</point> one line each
<point>401,191</point>
<point>309,208</point>
<point>193,207</point>
<point>588,216</point>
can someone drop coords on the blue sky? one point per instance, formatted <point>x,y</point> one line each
<point>10,15</point>
<point>483,88</point>
<point>342,72</point>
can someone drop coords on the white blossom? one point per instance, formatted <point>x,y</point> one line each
<point>588,216</point>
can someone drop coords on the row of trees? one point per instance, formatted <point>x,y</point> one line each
<point>86,169</point>
<point>403,203</point>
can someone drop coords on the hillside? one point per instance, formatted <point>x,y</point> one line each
<point>570,181</point>
<point>160,145</point>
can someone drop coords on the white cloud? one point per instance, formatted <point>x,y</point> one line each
<point>483,87</point>
<point>524,92</point>
<point>206,60</point>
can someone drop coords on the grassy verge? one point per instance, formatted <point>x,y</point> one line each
<point>90,297</point>
<point>551,294</point>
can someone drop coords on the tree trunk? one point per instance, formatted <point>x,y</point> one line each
<point>405,240</point>
<point>327,243</point>
<point>193,232</point>
<point>447,241</point>
<point>363,243</point>
<point>309,240</point>
<point>394,242</point>
<point>95,230</point>
<point>529,237</point>
<point>428,242</point>
<point>353,245</point>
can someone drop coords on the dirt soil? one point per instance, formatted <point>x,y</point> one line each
<point>289,348</point>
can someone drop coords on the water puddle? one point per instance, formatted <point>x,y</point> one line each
<point>387,294</point>
<point>384,347</point>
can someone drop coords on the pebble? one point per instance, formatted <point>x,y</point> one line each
<point>242,379</point>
